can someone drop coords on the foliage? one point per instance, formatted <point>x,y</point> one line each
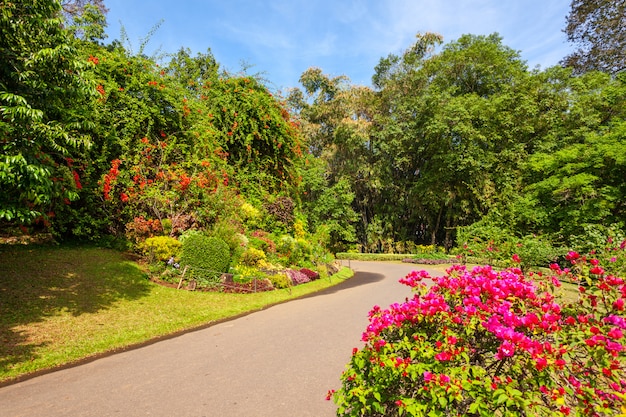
<point>294,251</point>
<point>43,108</point>
<point>488,241</point>
<point>312,275</point>
<point>297,277</point>
<point>207,256</point>
<point>280,281</point>
<point>336,176</point>
<point>595,27</point>
<point>252,257</point>
<point>160,248</point>
<point>140,229</point>
<point>281,210</point>
<point>486,343</point>
<point>262,240</point>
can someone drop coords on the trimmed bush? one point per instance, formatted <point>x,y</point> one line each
<point>160,248</point>
<point>207,256</point>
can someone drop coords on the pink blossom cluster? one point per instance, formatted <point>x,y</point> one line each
<point>579,345</point>
<point>297,277</point>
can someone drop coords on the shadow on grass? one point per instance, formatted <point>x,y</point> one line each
<point>43,281</point>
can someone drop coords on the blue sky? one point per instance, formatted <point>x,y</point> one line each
<point>282,38</point>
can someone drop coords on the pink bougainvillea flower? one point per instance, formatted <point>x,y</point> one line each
<point>443,356</point>
<point>506,350</point>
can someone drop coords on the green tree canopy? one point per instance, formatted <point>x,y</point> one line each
<point>597,29</point>
<point>42,94</point>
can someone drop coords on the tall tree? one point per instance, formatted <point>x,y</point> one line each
<point>449,131</point>
<point>41,114</point>
<point>336,119</point>
<point>598,29</point>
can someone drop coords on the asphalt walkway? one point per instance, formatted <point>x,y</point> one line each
<point>276,362</point>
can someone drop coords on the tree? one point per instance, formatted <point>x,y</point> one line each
<point>450,132</point>
<point>336,118</point>
<point>42,98</point>
<point>598,29</point>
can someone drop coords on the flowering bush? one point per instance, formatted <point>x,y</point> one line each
<point>297,277</point>
<point>140,229</point>
<point>312,275</point>
<point>482,343</point>
<point>252,257</point>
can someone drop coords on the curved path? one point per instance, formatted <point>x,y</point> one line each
<point>276,362</point>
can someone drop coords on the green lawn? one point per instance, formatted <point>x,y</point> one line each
<point>63,304</point>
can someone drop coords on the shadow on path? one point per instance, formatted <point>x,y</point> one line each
<point>359,278</point>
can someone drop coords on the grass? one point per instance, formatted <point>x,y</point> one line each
<point>60,305</point>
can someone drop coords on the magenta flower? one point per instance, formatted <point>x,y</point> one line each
<point>443,356</point>
<point>506,350</point>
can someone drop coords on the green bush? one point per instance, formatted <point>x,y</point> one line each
<point>166,224</point>
<point>207,256</point>
<point>280,280</point>
<point>294,251</point>
<point>252,256</point>
<point>160,248</point>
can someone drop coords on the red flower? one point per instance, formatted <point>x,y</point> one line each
<point>93,59</point>
<point>124,197</point>
<point>572,256</point>
<point>596,270</point>
<point>541,363</point>
<point>77,180</point>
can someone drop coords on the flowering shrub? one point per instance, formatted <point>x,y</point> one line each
<point>312,275</point>
<point>482,343</point>
<point>140,229</point>
<point>252,257</point>
<point>297,277</point>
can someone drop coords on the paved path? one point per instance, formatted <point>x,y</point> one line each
<point>276,362</point>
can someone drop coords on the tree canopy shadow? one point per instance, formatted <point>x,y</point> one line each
<point>43,281</point>
<point>359,278</point>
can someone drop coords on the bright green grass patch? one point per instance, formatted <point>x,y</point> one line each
<point>61,304</point>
